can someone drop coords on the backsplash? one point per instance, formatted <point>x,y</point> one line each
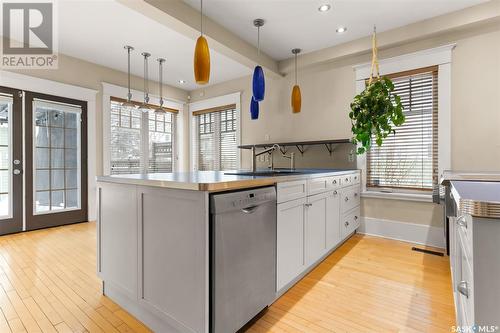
<point>316,157</point>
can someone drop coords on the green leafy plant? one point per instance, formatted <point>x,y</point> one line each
<point>375,112</point>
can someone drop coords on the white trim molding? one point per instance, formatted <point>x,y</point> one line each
<point>34,84</point>
<point>233,98</point>
<point>439,56</point>
<point>111,90</point>
<point>407,232</point>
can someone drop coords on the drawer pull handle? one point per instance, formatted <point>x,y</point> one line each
<point>308,204</point>
<point>463,288</point>
<point>355,194</point>
<point>347,179</point>
<point>335,192</point>
<point>346,223</point>
<point>461,221</point>
<point>334,181</point>
<point>355,217</point>
<point>346,199</point>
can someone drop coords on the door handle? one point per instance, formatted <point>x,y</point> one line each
<point>463,288</point>
<point>249,210</point>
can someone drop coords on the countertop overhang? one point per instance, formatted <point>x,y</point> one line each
<point>215,181</point>
<point>477,198</point>
<point>451,175</point>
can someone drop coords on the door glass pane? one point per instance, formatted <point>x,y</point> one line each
<point>57,163</point>
<point>5,157</point>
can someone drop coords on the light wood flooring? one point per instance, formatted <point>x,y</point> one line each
<point>48,284</point>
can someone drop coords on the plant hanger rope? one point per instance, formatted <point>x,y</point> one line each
<point>375,64</point>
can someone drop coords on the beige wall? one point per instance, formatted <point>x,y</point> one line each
<point>328,89</point>
<point>85,74</point>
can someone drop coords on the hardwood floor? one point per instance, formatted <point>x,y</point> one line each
<point>48,284</point>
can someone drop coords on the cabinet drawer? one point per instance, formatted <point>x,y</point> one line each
<point>346,180</point>
<point>463,227</point>
<point>355,178</point>
<point>287,191</point>
<point>349,222</point>
<point>465,284</point>
<point>349,198</point>
<point>319,185</point>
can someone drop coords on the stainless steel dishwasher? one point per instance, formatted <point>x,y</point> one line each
<point>243,256</point>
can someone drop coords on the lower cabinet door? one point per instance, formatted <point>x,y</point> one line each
<point>290,241</point>
<point>315,227</point>
<point>332,220</point>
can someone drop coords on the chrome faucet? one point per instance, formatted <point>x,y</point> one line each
<point>292,160</point>
<point>268,150</point>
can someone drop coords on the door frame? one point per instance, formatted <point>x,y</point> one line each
<point>53,218</point>
<point>44,86</point>
<point>15,223</point>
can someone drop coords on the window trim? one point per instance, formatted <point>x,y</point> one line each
<point>441,57</point>
<point>213,103</point>
<point>111,90</point>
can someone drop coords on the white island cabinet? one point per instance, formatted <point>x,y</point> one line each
<point>154,241</point>
<point>314,217</point>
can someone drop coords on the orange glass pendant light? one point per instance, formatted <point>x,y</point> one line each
<point>296,96</point>
<point>201,55</point>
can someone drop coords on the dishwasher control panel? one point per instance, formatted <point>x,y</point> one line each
<point>238,200</point>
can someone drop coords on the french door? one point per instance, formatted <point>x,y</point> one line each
<point>11,161</point>
<point>43,170</point>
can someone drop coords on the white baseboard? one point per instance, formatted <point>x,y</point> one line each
<point>407,232</point>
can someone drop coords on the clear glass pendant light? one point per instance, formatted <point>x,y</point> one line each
<point>128,102</point>
<point>161,61</point>
<point>145,107</point>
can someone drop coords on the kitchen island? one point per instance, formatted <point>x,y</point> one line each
<point>473,212</point>
<point>154,236</point>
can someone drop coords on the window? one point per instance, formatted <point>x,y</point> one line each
<point>408,160</point>
<point>215,136</point>
<point>141,141</point>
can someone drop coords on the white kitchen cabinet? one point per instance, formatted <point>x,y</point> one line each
<point>332,219</point>
<point>315,231</point>
<point>290,241</point>
<point>310,224</point>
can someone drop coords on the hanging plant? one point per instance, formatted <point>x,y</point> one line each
<point>375,111</point>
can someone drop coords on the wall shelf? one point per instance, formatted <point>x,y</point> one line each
<point>300,145</point>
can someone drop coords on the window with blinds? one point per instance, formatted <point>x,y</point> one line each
<point>215,141</point>
<point>140,142</point>
<point>408,159</point>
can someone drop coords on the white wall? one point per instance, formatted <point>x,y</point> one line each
<point>327,90</point>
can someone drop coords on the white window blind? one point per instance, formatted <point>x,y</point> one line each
<point>141,141</point>
<point>408,159</point>
<point>215,138</point>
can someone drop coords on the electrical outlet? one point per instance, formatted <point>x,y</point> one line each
<point>351,156</point>
<point>267,137</point>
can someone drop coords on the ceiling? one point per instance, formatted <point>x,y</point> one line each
<point>96,31</point>
<point>298,23</point>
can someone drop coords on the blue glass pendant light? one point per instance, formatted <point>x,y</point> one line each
<point>258,82</point>
<point>254,109</point>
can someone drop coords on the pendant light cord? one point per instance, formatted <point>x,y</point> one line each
<point>295,68</point>
<point>161,82</point>
<point>129,95</point>
<point>258,41</point>
<point>201,17</point>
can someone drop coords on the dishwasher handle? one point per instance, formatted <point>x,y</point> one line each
<point>249,209</point>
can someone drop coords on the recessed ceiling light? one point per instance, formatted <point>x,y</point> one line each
<point>182,81</point>
<point>341,30</point>
<point>324,8</point>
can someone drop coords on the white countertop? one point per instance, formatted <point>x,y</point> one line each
<point>214,181</point>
